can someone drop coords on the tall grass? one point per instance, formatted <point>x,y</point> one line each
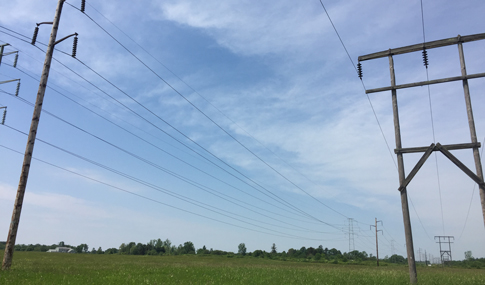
<point>58,268</point>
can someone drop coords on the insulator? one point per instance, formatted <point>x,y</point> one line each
<point>425,58</point>
<point>83,5</point>
<point>359,70</point>
<point>4,116</point>
<point>34,38</point>
<point>18,88</point>
<point>15,60</point>
<point>74,47</point>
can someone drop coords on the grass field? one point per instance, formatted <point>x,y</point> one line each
<point>58,268</point>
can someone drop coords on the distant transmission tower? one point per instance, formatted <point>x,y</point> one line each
<point>393,248</point>
<point>445,253</point>
<point>351,235</point>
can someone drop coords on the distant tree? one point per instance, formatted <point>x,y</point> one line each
<point>111,251</point>
<point>82,248</point>
<point>468,255</point>
<point>188,248</point>
<point>241,249</point>
<point>203,250</point>
<point>100,251</point>
<point>310,252</point>
<point>167,244</point>
<point>159,246</point>
<point>273,249</point>
<point>397,259</point>
<point>61,243</point>
<point>93,251</point>
<point>258,253</point>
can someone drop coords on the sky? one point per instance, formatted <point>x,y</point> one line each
<point>240,122</point>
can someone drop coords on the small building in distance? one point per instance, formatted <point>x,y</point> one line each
<point>62,249</point>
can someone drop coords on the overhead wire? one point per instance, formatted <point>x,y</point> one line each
<point>362,81</point>
<point>179,176</point>
<point>216,108</point>
<point>208,117</point>
<point>370,102</point>
<point>153,200</point>
<point>288,204</point>
<point>175,157</point>
<point>432,119</point>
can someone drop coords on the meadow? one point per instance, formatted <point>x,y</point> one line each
<point>61,268</point>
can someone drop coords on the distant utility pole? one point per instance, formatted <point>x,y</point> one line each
<point>445,149</point>
<point>351,235</point>
<point>12,234</point>
<point>377,242</point>
<point>445,253</point>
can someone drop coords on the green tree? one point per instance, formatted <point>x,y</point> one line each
<point>273,249</point>
<point>468,255</point>
<point>100,251</point>
<point>397,259</point>
<point>61,243</point>
<point>188,248</point>
<point>82,248</point>
<point>241,249</point>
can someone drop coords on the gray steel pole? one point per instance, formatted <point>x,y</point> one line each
<point>12,233</point>
<point>471,123</point>
<point>413,276</point>
<point>377,246</point>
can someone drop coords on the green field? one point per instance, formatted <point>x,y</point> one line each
<point>59,268</point>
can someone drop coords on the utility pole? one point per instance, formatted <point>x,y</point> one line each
<point>12,234</point>
<point>445,149</point>
<point>377,242</point>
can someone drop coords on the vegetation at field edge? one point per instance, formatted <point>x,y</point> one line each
<point>59,268</point>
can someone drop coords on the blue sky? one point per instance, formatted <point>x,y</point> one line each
<point>274,76</point>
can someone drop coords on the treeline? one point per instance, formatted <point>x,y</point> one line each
<point>159,247</point>
<point>165,247</point>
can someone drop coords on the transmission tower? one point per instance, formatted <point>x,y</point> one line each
<point>445,253</point>
<point>351,235</point>
<point>445,149</point>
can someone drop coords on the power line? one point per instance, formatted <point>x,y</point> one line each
<point>153,200</point>
<point>205,115</point>
<point>291,206</point>
<point>185,179</point>
<point>425,60</point>
<point>217,110</point>
<point>160,149</point>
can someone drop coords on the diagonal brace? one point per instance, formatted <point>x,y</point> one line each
<point>417,167</point>
<point>460,165</point>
